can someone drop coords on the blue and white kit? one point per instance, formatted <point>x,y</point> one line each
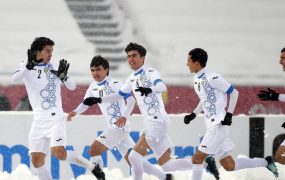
<point>213,90</point>
<point>43,88</point>
<point>112,135</point>
<point>156,120</point>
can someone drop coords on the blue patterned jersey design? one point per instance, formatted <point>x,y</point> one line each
<point>48,93</point>
<point>114,109</point>
<point>150,100</point>
<point>211,97</point>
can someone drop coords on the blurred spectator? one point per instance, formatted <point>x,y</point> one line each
<point>4,103</point>
<point>24,104</point>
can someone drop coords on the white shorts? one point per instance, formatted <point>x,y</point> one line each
<point>217,141</point>
<point>47,134</point>
<point>157,137</point>
<point>116,138</point>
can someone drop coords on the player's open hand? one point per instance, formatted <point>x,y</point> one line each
<point>70,115</point>
<point>121,121</point>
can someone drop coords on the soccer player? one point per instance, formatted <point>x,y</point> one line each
<point>116,113</point>
<point>42,80</point>
<point>213,90</point>
<point>271,95</point>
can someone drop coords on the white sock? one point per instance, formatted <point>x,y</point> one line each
<point>74,158</point>
<point>153,169</point>
<point>97,160</point>
<point>243,163</point>
<point>197,171</point>
<point>177,165</point>
<point>43,173</point>
<point>136,161</point>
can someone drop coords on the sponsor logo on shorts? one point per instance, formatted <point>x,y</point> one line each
<point>102,137</point>
<point>58,139</point>
<point>203,146</point>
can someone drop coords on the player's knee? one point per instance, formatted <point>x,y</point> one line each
<point>60,154</point>
<point>37,161</point>
<point>197,160</point>
<point>94,151</point>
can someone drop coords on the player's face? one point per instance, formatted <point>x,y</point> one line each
<point>282,60</point>
<point>99,73</point>
<point>45,54</point>
<point>193,67</point>
<point>135,60</point>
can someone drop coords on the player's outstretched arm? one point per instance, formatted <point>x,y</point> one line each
<point>70,115</point>
<point>80,109</point>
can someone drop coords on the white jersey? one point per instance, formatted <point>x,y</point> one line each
<point>151,106</point>
<point>110,110</point>
<point>212,90</point>
<point>43,89</point>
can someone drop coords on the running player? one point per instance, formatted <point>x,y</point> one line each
<point>213,90</point>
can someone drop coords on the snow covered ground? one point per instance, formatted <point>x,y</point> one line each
<point>243,38</point>
<point>22,172</point>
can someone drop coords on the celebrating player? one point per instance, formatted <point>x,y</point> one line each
<point>213,90</point>
<point>42,80</point>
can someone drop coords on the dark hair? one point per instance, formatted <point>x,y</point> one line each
<point>99,60</point>
<point>40,42</point>
<point>199,55</point>
<point>136,47</point>
<point>283,50</point>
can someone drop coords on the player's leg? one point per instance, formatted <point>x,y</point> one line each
<point>39,147</point>
<point>161,147</point>
<point>38,161</point>
<point>228,163</point>
<point>280,153</point>
<point>58,143</point>
<point>197,160</point>
<point>136,157</point>
<point>125,147</point>
<point>226,160</point>
<point>97,148</point>
<point>210,144</point>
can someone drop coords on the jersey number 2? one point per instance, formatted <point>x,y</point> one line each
<point>40,72</point>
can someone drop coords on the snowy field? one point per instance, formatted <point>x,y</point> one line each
<point>22,172</point>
